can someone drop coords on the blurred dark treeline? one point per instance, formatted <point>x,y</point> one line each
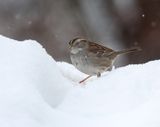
<point>115,23</point>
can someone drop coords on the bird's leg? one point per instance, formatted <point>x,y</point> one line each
<point>99,74</point>
<point>85,78</point>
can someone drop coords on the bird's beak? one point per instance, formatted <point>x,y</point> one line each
<point>70,46</point>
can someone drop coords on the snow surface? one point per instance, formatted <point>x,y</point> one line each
<point>37,91</point>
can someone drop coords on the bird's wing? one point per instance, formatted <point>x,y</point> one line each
<point>99,50</point>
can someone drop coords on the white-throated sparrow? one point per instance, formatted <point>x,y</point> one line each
<point>92,58</point>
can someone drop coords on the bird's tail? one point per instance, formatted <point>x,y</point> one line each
<point>125,51</point>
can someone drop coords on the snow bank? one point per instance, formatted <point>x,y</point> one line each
<point>36,91</point>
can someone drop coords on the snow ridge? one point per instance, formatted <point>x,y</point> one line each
<point>37,91</point>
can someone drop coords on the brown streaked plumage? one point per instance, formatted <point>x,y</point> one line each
<point>92,58</point>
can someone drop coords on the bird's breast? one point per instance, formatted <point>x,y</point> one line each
<point>86,64</point>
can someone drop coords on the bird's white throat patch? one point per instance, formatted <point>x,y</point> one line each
<point>75,51</point>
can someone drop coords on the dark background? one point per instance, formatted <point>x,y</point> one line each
<point>117,24</point>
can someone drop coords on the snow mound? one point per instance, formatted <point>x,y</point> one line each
<point>36,91</point>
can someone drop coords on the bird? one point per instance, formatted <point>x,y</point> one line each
<point>92,58</point>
